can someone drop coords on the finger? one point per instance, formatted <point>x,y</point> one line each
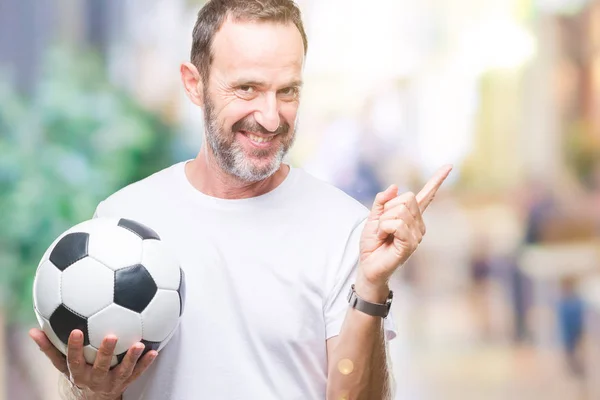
<point>142,365</point>
<point>401,211</point>
<point>407,198</point>
<point>123,372</point>
<point>400,231</point>
<point>417,236</point>
<point>406,209</point>
<point>75,361</point>
<point>102,362</point>
<point>56,357</point>
<point>381,199</point>
<point>395,227</point>
<point>426,195</point>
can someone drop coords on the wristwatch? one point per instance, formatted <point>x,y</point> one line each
<point>374,309</point>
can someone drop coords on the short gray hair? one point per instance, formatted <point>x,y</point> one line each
<point>214,13</point>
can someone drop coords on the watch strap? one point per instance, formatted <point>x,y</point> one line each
<point>374,309</point>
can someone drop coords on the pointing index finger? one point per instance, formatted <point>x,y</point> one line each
<point>426,195</point>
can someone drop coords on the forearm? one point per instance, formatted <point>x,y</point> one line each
<point>358,369</point>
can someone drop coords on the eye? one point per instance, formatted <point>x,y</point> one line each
<point>246,89</point>
<point>289,91</point>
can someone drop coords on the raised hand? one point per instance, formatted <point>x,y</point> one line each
<point>393,231</point>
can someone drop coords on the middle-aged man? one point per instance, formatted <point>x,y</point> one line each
<point>287,276</point>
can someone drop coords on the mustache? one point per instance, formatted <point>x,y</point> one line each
<point>250,125</point>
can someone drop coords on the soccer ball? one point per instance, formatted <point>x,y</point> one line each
<point>109,276</point>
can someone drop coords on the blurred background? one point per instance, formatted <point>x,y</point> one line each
<point>502,300</point>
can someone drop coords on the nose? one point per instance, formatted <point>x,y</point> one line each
<point>268,113</point>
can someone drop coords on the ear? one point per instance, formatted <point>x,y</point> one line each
<point>192,83</point>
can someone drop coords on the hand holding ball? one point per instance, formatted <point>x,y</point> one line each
<point>109,277</point>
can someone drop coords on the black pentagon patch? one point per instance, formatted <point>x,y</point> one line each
<point>147,347</point>
<point>71,248</point>
<point>134,288</point>
<point>181,291</point>
<point>120,358</point>
<point>141,230</point>
<point>63,321</point>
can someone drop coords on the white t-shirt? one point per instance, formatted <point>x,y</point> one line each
<point>267,279</point>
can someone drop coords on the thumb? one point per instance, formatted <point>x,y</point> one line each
<point>381,199</point>
<point>56,357</point>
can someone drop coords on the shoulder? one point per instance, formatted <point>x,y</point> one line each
<point>328,200</point>
<point>141,194</point>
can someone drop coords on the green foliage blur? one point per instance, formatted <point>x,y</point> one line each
<point>75,141</point>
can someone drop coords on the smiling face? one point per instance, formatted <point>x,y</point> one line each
<point>251,96</point>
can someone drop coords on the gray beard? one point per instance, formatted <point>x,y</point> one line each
<point>231,158</point>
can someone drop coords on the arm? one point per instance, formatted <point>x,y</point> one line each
<point>97,382</point>
<point>393,231</point>
<point>357,358</point>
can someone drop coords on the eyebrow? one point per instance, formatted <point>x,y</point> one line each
<point>251,82</point>
<point>296,83</point>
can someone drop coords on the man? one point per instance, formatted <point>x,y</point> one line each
<point>270,253</point>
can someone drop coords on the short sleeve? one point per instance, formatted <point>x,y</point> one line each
<point>336,303</point>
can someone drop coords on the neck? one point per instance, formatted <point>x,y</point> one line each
<point>207,177</point>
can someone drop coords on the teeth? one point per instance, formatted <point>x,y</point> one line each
<point>259,139</point>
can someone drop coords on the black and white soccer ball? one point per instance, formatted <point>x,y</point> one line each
<point>109,276</point>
